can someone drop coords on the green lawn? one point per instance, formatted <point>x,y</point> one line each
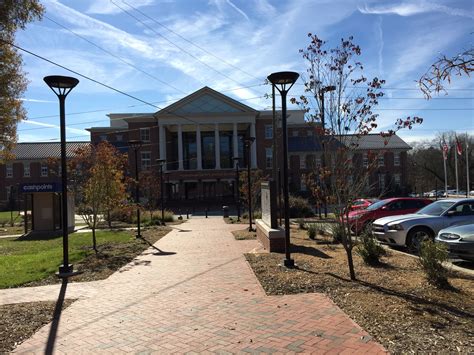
<point>31,260</point>
<point>5,215</point>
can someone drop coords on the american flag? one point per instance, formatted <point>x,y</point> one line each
<point>458,147</point>
<point>445,150</point>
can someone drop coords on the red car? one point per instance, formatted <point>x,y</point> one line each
<point>360,219</point>
<point>362,203</point>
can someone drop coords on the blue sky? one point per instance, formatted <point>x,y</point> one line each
<point>231,46</point>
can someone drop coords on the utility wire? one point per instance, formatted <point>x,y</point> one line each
<point>174,44</point>
<point>116,56</point>
<point>190,42</point>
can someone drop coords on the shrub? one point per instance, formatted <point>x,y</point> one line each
<point>432,256</point>
<point>257,214</point>
<point>337,231</point>
<point>370,250</point>
<point>301,224</point>
<point>311,231</point>
<point>299,207</point>
<point>156,219</point>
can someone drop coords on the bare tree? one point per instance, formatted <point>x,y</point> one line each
<point>344,117</point>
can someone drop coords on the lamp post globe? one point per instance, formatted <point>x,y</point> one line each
<point>136,145</point>
<point>283,82</point>
<point>62,86</point>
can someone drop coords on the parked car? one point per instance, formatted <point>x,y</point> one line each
<point>410,230</point>
<point>360,219</point>
<point>362,203</point>
<point>459,240</point>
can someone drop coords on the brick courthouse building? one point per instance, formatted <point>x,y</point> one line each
<point>200,171</point>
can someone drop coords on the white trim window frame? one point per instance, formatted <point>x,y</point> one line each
<point>396,159</point>
<point>268,131</point>
<point>9,170</point>
<point>26,170</point>
<point>145,134</point>
<point>365,160</point>
<point>44,170</point>
<point>145,160</point>
<point>397,179</point>
<point>268,158</point>
<point>381,160</point>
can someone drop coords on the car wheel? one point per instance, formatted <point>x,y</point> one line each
<point>416,237</point>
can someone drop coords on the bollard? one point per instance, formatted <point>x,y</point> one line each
<point>206,212</point>
<point>187,214</point>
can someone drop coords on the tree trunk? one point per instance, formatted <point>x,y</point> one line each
<point>109,220</point>
<point>350,262</point>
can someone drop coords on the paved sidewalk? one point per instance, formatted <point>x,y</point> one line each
<point>202,299</point>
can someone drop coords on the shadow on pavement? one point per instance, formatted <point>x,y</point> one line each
<point>53,332</point>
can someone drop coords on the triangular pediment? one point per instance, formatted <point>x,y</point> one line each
<point>206,100</point>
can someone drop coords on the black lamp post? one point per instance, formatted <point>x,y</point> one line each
<point>160,163</point>
<point>322,91</point>
<point>237,186</point>
<point>283,81</point>
<point>248,143</point>
<point>62,86</point>
<point>136,145</point>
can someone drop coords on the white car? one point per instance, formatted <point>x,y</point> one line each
<point>412,229</point>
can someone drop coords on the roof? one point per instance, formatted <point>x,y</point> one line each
<point>206,100</point>
<point>374,141</point>
<point>44,150</point>
<point>303,144</point>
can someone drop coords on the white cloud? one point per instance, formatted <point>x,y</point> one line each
<point>414,8</point>
<point>106,7</point>
<point>230,3</point>
<point>50,125</point>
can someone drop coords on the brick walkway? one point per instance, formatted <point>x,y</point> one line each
<point>203,298</point>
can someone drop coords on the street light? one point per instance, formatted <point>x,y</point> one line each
<point>161,163</point>
<point>237,186</point>
<point>248,143</point>
<point>322,91</point>
<point>136,145</point>
<point>283,81</point>
<point>62,86</point>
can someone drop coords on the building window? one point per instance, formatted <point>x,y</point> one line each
<point>365,160</point>
<point>382,181</point>
<point>302,162</point>
<point>9,172</point>
<point>146,160</point>
<point>397,179</point>
<point>26,170</point>
<point>268,158</point>
<point>268,131</point>
<point>303,186</point>
<point>44,170</point>
<point>381,160</point>
<point>318,163</point>
<point>396,159</point>
<point>145,134</point>
<point>295,133</point>
<point>119,138</point>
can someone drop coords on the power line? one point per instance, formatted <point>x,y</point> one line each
<point>174,44</point>
<point>116,56</point>
<point>188,41</point>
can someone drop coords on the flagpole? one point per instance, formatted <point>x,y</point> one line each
<point>445,178</point>
<point>456,170</point>
<point>467,167</point>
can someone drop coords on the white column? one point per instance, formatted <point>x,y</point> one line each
<point>235,142</point>
<point>217,146</point>
<point>253,151</point>
<point>180,147</point>
<point>162,139</point>
<point>198,147</point>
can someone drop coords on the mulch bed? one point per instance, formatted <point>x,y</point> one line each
<point>244,235</point>
<point>20,321</point>
<point>111,257</point>
<point>393,302</point>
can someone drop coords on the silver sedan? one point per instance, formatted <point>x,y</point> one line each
<point>459,240</point>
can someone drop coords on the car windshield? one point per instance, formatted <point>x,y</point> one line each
<point>377,205</point>
<point>436,208</point>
